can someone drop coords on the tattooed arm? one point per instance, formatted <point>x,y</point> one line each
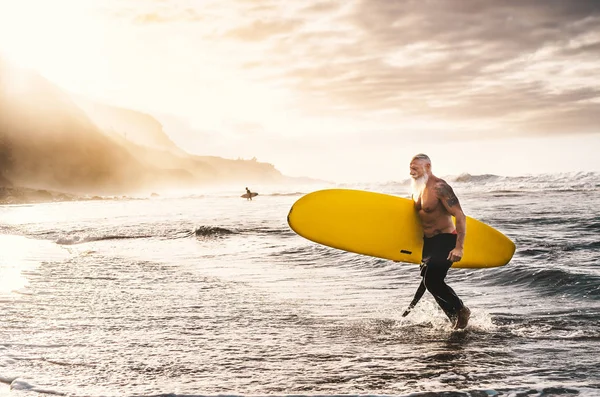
<point>450,201</point>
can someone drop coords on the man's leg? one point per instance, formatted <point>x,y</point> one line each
<point>445,296</point>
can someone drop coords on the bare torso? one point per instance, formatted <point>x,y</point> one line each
<point>435,219</point>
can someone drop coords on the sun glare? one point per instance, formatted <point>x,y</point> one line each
<point>11,279</point>
<point>47,36</point>
<point>11,265</point>
<point>17,81</point>
<point>20,254</point>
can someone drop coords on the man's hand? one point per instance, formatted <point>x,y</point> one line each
<point>455,255</point>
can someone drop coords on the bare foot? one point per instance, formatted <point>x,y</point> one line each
<point>463,318</point>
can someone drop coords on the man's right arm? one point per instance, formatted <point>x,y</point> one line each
<point>450,202</point>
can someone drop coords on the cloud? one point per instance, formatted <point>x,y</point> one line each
<point>320,7</point>
<point>262,30</point>
<point>184,15</point>
<point>471,67</point>
<point>530,66</point>
<point>152,12</point>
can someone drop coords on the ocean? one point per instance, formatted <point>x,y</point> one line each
<point>206,293</point>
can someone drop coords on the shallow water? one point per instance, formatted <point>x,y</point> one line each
<point>213,294</point>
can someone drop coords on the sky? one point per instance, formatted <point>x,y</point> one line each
<point>338,90</point>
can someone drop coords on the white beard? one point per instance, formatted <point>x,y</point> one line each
<point>418,185</point>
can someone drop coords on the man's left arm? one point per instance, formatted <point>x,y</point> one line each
<point>452,205</point>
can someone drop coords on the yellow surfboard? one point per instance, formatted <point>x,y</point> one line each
<point>386,227</point>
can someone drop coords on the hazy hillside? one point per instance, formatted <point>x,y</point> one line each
<point>151,146</point>
<point>136,127</point>
<point>51,140</point>
<point>47,141</point>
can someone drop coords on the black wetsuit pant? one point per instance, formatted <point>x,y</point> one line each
<point>434,269</point>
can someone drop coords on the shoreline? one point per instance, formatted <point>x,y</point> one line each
<point>23,195</point>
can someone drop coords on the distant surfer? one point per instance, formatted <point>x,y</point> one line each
<point>443,243</point>
<point>248,194</point>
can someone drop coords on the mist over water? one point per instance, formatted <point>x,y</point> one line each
<point>213,294</point>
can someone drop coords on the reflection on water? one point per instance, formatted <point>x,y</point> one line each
<point>20,255</point>
<point>11,278</point>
